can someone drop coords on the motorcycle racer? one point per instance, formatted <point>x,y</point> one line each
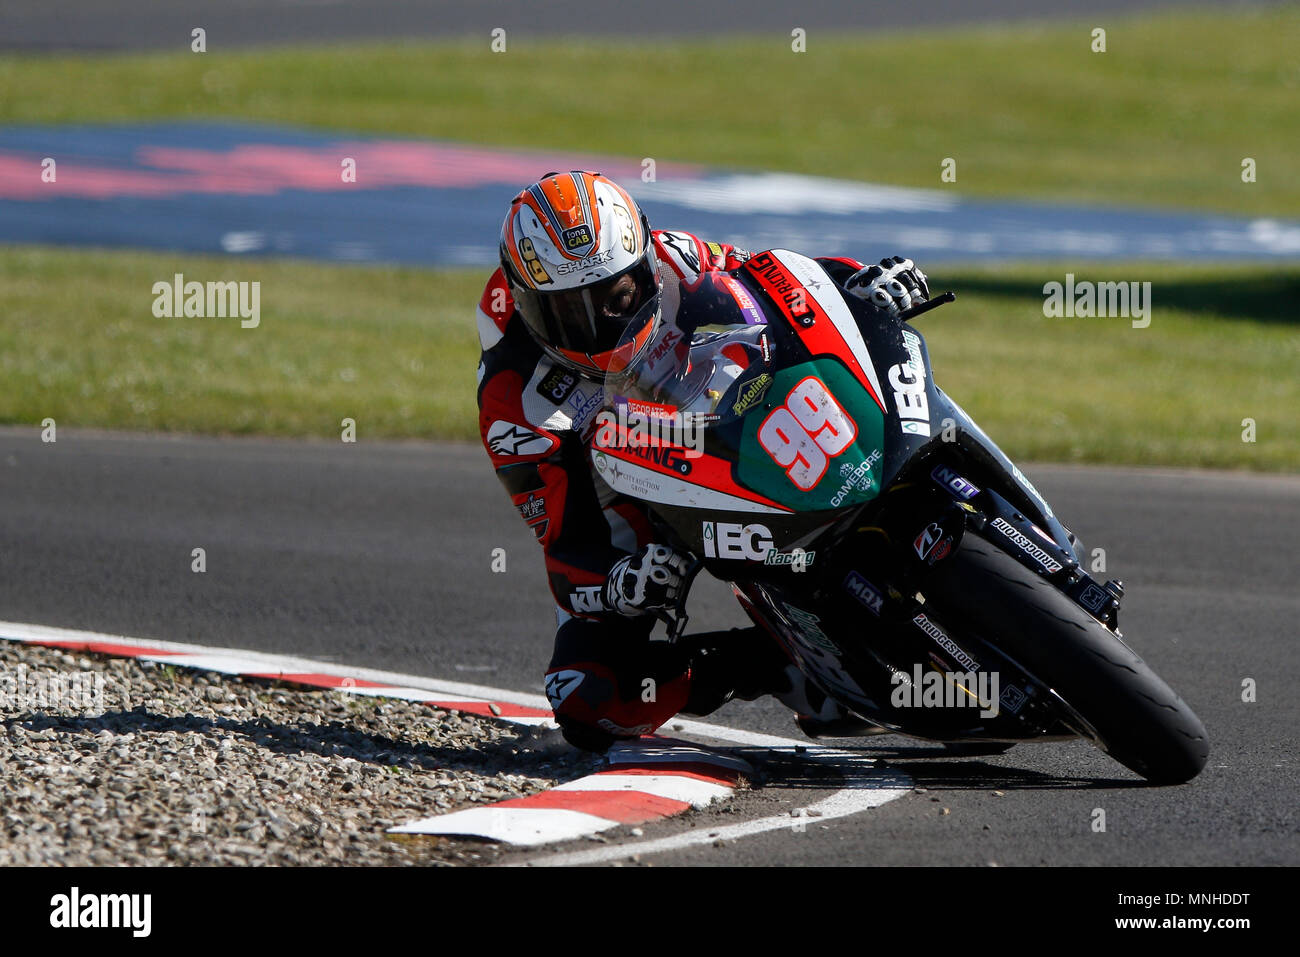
<point>581,271</point>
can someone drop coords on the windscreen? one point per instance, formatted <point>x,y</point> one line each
<point>709,359</point>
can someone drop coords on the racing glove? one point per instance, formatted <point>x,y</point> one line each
<point>894,285</point>
<point>645,582</point>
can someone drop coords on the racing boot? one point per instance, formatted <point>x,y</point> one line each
<point>747,663</point>
<point>742,663</point>
<point>817,714</point>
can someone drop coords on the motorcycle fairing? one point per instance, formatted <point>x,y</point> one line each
<point>662,477</point>
<point>839,465</point>
<point>811,302</point>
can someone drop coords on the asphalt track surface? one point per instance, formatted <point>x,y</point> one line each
<point>92,25</point>
<point>379,555</point>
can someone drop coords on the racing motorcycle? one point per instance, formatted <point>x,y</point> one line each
<point>790,438</point>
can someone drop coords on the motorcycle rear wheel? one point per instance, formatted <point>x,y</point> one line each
<point>1137,719</point>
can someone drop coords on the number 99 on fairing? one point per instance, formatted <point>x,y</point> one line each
<point>805,433</point>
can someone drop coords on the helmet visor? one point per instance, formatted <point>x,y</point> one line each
<point>592,319</point>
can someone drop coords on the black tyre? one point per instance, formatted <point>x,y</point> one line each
<point>1138,719</point>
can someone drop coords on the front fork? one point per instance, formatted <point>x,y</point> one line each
<point>925,520</point>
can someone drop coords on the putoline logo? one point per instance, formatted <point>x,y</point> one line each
<point>751,393</point>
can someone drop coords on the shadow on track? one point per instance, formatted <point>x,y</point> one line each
<point>929,768</point>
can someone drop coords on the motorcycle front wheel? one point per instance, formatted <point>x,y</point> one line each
<point>1131,713</point>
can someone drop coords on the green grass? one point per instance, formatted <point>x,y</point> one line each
<point>1220,348</point>
<point>396,350</point>
<point>1164,116</point>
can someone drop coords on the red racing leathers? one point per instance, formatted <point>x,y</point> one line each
<point>606,680</point>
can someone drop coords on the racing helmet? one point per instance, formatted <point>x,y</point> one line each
<point>579,259</point>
